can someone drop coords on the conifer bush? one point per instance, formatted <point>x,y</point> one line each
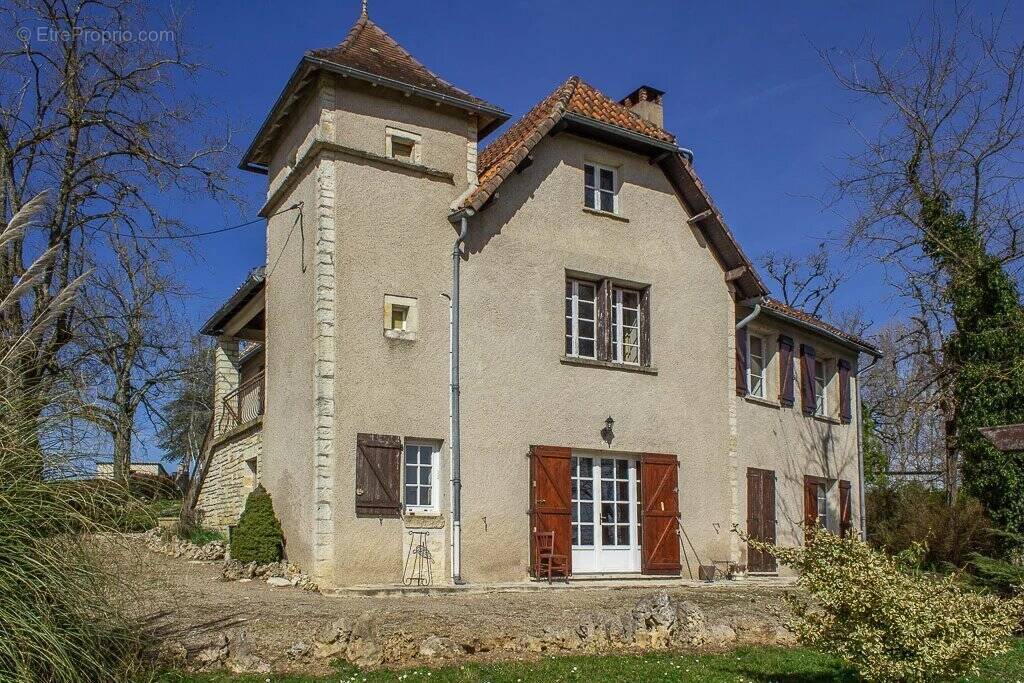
<point>886,618</point>
<point>257,537</point>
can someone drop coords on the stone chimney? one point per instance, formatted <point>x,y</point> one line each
<point>645,102</point>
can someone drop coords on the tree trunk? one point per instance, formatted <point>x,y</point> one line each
<point>122,451</point>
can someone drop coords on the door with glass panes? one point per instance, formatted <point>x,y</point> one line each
<point>605,513</point>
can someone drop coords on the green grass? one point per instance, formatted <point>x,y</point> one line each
<point>201,536</point>
<point>755,665</point>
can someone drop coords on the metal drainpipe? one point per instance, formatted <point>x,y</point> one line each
<point>456,453</point>
<point>860,452</point>
<point>753,314</point>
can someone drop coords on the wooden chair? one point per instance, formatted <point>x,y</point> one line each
<point>547,561</point>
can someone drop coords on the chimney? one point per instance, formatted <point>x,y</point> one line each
<point>645,102</point>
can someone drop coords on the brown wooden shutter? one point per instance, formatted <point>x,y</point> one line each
<point>760,517</point>
<point>645,327</point>
<point>741,362</point>
<point>845,409</point>
<point>604,320</point>
<point>810,504</point>
<point>845,511</point>
<point>659,546</point>
<point>807,361</point>
<point>550,499</point>
<point>378,475</point>
<point>786,371</point>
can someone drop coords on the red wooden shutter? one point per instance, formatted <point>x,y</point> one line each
<point>378,475</point>
<point>845,409</point>
<point>645,327</point>
<point>760,517</point>
<point>659,546</point>
<point>550,489</point>
<point>807,362</point>
<point>845,512</point>
<point>741,362</point>
<point>786,371</point>
<point>810,504</point>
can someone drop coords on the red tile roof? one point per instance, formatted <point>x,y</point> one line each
<point>815,322</point>
<point>502,156</point>
<point>368,48</point>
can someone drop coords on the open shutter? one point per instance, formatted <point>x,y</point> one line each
<point>604,320</point>
<point>845,511</point>
<point>550,488</point>
<point>786,371</point>
<point>845,409</point>
<point>645,327</point>
<point>741,361</point>
<point>810,504</point>
<point>378,475</point>
<point>659,546</point>
<point>807,361</point>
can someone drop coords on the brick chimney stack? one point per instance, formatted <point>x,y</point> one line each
<point>646,102</point>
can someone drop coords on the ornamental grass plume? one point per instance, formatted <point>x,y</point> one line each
<point>886,618</point>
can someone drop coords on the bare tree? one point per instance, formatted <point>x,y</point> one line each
<point>189,411</point>
<point>952,128</point>
<point>806,283</point>
<point>104,119</point>
<point>127,349</point>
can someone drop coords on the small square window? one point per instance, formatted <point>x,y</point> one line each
<point>403,145</point>
<point>402,149</point>
<point>401,317</point>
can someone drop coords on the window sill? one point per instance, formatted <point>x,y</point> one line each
<point>767,402</point>
<point>827,419</point>
<point>610,365</point>
<point>605,214</point>
<point>404,335</point>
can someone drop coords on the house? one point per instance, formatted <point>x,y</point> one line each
<point>105,469</point>
<point>613,372</point>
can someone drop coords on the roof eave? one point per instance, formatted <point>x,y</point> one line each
<point>215,325</point>
<point>297,78</point>
<point>832,336</point>
<point>631,138</point>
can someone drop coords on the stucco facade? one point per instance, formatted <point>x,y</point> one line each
<point>352,227</point>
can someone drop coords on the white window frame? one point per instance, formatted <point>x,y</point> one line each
<point>821,388</point>
<point>596,187</point>
<point>617,325</point>
<point>763,358</point>
<point>406,137</point>
<point>435,489</point>
<point>821,499</point>
<point>574,318</point>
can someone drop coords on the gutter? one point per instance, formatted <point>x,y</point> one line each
<point>841,341</point>
<point>456,445</point>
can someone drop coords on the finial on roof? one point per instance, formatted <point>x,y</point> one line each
<point>364,8</point>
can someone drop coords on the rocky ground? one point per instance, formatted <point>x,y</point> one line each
<point>206,621</point>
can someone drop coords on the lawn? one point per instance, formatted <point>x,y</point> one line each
<point>747,664</point>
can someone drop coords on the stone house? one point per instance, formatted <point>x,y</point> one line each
<point>613,370</point>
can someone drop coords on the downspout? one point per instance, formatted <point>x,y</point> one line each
<point>756,302</point>
<point>456,453</point>
<point>734,460</point>
<point>860,452</point>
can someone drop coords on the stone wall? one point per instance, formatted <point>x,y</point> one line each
<point>230,478</point>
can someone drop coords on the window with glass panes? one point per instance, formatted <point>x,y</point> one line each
<point>820,386</point>
<point>821,497</point>
<point>626,326</point>
<point>582,502</point>
<point>599,188</point>
<point>580,325</point>
<point>420,468</point>
<point>756,363</point>
<point>614,502</point>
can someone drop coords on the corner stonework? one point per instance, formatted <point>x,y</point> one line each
<point>325,318</point>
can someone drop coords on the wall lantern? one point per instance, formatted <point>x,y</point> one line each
<point>606,432</point>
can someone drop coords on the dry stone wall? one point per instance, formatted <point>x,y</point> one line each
<point>230,478</point>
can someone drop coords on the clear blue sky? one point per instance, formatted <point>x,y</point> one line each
<point>746,90</point>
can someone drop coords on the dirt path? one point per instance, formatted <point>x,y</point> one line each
<point>192,604</point>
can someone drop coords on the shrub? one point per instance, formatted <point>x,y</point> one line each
<point>900,517</point>
<point>886,618</point>
<point>258,537</point>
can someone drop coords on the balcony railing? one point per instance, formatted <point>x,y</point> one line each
<point>244,404</point>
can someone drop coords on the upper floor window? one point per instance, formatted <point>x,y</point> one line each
<point>580,318</point>
<point>756,366</point>
<point>599,188</point>
<point>420,477</point>
<point>820,388</point>
<point>403,145</point>
<point>626,326</point>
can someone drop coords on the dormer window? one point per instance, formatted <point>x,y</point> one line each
<point>403,145</point>
<point>599,188</point>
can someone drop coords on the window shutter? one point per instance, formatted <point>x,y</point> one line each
<point>786,371</point>
<point>741,362</point>
<point>378,475</point>
<point>645,327</point>
<point>807,378</point>
<point>845,409</point>
<point>604,320</point>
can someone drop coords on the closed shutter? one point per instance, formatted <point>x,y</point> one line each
<point>645,327</point>
<point>807,362</point>
<point>659,490</point>
<point>786,371</point>
<point>845,409</point>
<point>378,475</point>
<point>741,361</point>
<point>550,491</point>
<point>760,517</point>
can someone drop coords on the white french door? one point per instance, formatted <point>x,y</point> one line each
<point>605,514</point>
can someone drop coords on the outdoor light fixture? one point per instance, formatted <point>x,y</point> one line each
<point>606,432</point>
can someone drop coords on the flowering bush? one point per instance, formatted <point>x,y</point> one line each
<point>886,618</point>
